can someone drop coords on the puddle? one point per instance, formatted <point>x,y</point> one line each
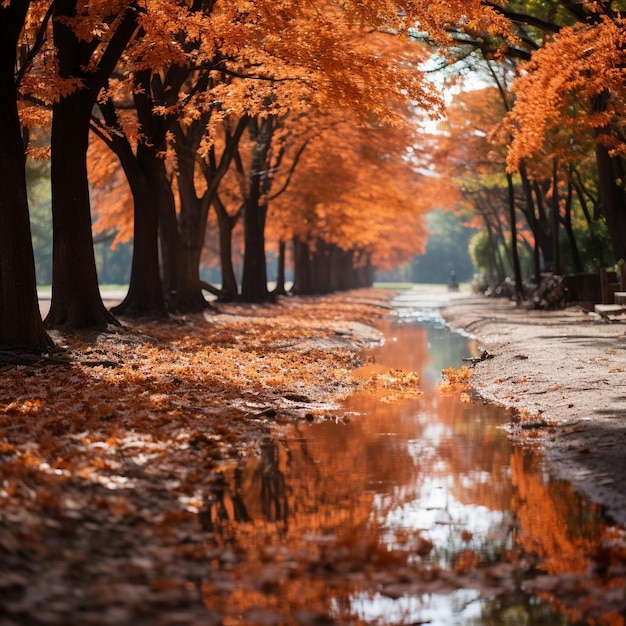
<point>416,512</point>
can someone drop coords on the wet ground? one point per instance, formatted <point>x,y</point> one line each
<point>410,512</point>
<point>146,509</point>
<point>565,369</point>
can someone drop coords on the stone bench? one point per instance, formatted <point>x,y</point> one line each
<point>604,310</point>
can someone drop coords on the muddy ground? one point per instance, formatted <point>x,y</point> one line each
<point>565,371</point>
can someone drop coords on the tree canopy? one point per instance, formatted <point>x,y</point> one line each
<point>296,123</point>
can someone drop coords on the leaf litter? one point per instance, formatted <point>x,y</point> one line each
<point>106,455</point>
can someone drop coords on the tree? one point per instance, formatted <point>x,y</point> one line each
<point>585,98</point>
<point>568,59</point>
<point>90,39</point>
<point>279,79</point>
<point>141,166</point>
<point>465,156</point>
<point>85,62</point>
<point>199,179</point>
<point>351,205</point>
<point>254,280</point>
<point>20,319</point>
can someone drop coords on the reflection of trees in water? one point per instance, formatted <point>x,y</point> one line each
<point>274,503</point>
<point>312,510</point>
<point>227,501</point>
<point>215,516</point>
<point>580,555</point>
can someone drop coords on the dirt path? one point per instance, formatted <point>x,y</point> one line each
<point>566,372</point>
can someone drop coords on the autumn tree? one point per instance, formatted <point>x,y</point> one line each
<point>568,104</point>
<point>254,280</point>
<point>171,84</point>
<point>199,178</point>
<point>365,213</point>
<point>71,67</point>
<point>141,164</point>
<point>350,67</point>
<point>585,98</point>
<point>464,157</point>
<point>20,320</point>
<point>337,66</point>
<point>85,56</point>
<point>550,128</point>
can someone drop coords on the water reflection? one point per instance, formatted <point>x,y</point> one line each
<point>413,512</point>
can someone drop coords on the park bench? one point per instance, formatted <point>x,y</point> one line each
<point>613,290</point>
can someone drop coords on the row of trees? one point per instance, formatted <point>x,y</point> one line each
<point>187,94</point>
<point>536,152</point>
<point>283,119</point>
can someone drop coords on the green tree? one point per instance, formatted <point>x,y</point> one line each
<point>447,250</point>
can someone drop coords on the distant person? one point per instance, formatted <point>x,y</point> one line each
<point>453,283</point>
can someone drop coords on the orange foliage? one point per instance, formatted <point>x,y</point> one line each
<point>553,106</point>
<point>355,187</point>
<point>465,156</point>
<point>264,58</point>
<point>456,379</point>
<point>590,560</point>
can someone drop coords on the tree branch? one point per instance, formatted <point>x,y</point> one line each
<point>39,41</point>
<point>292,169</point>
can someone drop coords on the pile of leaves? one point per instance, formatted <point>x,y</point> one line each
<point>457,380</point>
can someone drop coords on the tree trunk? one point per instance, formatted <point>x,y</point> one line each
<point>318,268</point>
<point>543,229</point>
<point>531,220</point>
<point>362,270</point>
<point>194,211</point>
<point>517,270</point>
<point>170,244</point>
<point>613,198</point>
<point>192,221</point>
<point>556,221</point>
<point>254,280</point>
<point>20,320</point>
<point>336,262</point>
<point>226,224</point>
<point>569,229</point>
<point>180,266</point>
<point>302,268</point>
<point>280,275</point>
<point>612,184</point>
<point>145,293</point>
<point>76,301</point>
